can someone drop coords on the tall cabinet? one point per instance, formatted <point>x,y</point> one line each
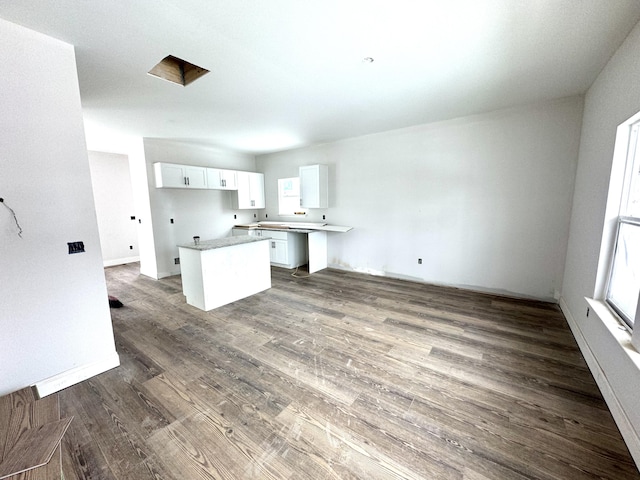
<point>250,191</point>
<point>314,186</point>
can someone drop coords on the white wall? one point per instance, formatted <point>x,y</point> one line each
<point>113,195</point>
<point>483,200</point>
<point>55,315</point>
<point>614,97</point>
<point>206,213</point>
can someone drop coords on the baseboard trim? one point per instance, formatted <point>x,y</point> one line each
<point>120,261</point>
<point>627,430</point>
<point>75,375</point>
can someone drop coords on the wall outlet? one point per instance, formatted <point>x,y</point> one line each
<point>324,217</point>
<point>130,247</point>
<point>171,220</point>
<point>419,261</point>
<point>176,261</point>
<point>133,217</point>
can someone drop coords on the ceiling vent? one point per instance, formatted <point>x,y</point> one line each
<point>176,70</point>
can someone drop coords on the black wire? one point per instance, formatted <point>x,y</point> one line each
<point>15,218</point>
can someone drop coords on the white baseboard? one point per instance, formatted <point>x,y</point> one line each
<point>75,375</point>
<point>120,261</point>
<point>620,417</point>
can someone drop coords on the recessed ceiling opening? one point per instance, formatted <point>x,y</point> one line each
<point>176,70</point>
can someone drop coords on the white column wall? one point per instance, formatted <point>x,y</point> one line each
<point>55,317</point>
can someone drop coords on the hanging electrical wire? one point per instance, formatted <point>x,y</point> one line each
<point>15,217</point>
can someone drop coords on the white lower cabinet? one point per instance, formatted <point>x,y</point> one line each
<point>278,251</point>
<point>286,249</point>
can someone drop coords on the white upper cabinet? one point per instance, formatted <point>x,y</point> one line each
<point>218,179</point>
<point>170,175</point>
<point>314,186</point>
<point>250,191</point>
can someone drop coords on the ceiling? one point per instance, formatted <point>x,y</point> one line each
<point>289,73</point>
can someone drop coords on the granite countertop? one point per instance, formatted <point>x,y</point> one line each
<point>222,242</point>
<point>296,227</point>
<point>277,229</point>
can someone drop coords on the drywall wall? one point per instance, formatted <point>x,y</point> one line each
<point>55,316</point>
<point>113,195</point>
<point>613,98</point>
<point>206,213</point>
<point>484,200</point>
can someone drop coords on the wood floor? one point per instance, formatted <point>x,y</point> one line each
<point>339,376</point>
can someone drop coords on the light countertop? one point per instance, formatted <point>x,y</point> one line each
<point>299,227</point>
<point>222,242</point>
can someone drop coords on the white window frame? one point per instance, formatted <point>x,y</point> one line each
<point>289,201</point>
<point>626,161</point>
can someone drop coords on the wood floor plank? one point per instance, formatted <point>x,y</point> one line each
<point>340,375</point>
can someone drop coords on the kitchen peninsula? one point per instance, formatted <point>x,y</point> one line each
<point>294,243</point>
<point>221,271</point>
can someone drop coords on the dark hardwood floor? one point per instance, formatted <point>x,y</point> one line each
<point>339,376</point>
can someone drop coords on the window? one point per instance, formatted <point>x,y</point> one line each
<point>289,197</point>
<point>623,288</point>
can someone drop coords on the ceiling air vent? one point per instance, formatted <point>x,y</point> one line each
<point>178,71</point>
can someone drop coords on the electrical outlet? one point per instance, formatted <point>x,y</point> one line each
<point>130,247</point>
<point>133,217</point>
<point>324,217</point>
<point>235,216</point>
<point>171,220</point>
<point>75,247</point>
<point>176,260</point>
<point>419,261</point>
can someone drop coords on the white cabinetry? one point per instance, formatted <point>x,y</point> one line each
<point>314,186</point>
<point>250,191</point>
<point>171,175</point>
<point>286,249</point>
<point>278,252</point>
<point>221,179</point>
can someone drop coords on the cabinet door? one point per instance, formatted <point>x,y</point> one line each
<point>256,185</point>
<point>243,197</point>
<point>250,191</point>
<point>314,186</point>
<point>196,177</point>
<point>278,251</point>
<point>213,179</point>
<point>228,179</point>
<point>169,175</point>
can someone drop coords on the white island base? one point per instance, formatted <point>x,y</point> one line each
<point>218,272</point>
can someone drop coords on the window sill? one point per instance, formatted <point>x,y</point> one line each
<point>617,328</point>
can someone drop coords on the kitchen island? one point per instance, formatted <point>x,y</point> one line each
<point>221,271</point>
